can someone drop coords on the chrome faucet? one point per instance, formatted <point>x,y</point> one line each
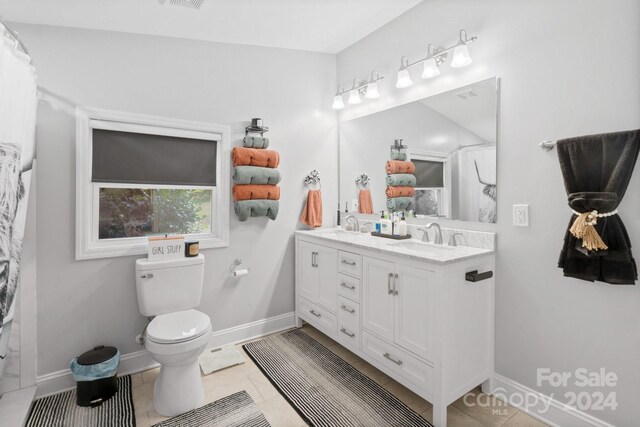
<point>351,223</point>
<point>438,238</point>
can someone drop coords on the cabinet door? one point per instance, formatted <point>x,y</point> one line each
<point>377,297</point>
<point>308,286</point>
<point>327,267</point>
<point>413,309</point>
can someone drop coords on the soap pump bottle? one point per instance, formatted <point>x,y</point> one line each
<point>385,225</point>
<point>402,226</point>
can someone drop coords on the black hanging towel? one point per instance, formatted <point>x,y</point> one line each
<point>596,171</point>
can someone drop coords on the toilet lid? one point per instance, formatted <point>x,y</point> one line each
<point>178,327</point>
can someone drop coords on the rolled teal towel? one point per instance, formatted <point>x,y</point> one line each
<point>252,208</point>
<point>255,142</point>
<point>398,203</point>
<point>401,180</point>
<point>397,155</point>
<point>255,175</point>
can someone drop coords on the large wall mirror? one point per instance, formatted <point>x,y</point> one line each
<point>450,139</point>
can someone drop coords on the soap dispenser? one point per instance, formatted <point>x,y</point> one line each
<point>402,226</point>
<point>385,224</point>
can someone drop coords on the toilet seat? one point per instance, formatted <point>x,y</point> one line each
<point>178,327</point>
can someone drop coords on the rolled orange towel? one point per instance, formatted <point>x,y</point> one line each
<point>253,191</point>
<point>400,191</point>
<point>312,212</point>
<point>253,157</point>
<point>365,204</point>
<point>397,166</point>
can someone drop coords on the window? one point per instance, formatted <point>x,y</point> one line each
<point>139,176</point>
<point>431,198</point>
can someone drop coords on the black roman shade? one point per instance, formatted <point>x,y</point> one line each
<point>429,174</point>
<point>139,158</point>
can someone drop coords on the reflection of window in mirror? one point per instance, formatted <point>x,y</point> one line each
<point>433,192</point>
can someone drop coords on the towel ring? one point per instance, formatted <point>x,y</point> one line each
<point>363,179</point>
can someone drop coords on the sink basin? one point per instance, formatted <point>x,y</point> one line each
<point>422,247</point>
<point>337,233</point>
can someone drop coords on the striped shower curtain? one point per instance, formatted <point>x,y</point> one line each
<point>18,102</point>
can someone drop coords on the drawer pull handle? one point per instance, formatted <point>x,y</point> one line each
<point>344,285</point>
<point>349,334</point>
<point>474,276</point>
<point>315,314</point>
<point>389,291</point>
<point>388,356</point>
<point>348,262</point>
<point>347,309</point>
<point>147,276</point>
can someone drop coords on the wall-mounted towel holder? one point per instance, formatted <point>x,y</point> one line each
<point>313,178</point>
<point>256,127</point>
<point>363,179</point>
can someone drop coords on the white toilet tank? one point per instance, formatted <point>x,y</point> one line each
<point>169,286</point>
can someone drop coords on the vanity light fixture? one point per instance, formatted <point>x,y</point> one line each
<point>436,57</point>
<point>368,89</point>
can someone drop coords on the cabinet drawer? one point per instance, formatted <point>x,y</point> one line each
<point>350,263</point>
<point>349,323</point>
<point>405,365</point>
<point>318,317</point>
<point>349,287</point>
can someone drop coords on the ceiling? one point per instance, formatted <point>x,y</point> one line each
<point>476,113</point>
<point>314,25</point>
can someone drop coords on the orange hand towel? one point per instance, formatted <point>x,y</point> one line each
<point>312,213</point>
<point>253,191</point>
<point>253,157</point>
<point>365,204</point>
<point>400,191</point>
<point>397,166</point>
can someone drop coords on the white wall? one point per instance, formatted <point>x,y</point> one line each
<point>567,68</point>
<point>85,303</point>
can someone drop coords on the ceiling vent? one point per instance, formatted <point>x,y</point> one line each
<point>467,94</point>
<point>192,4</point>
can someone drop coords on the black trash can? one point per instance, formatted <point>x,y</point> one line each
<point>95,372</point>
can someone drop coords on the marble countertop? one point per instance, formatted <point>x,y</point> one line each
<point>412,248</point>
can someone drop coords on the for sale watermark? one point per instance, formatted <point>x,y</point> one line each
<point>591,391</point>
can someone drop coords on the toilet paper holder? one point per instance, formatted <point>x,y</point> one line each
<point>238,272</point>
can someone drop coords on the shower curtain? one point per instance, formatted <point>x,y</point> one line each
<point>18,102</point>
<point>477,184</point>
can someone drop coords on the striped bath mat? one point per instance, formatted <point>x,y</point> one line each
<point>236,410</point>
<point>325,389</point>
<point>61,410</point>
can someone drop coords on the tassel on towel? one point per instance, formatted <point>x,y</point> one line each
<point>583,228</point>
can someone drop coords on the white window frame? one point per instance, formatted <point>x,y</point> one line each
<point>444,198</point>
<point>88,246</point>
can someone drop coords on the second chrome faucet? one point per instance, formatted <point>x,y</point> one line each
<point>425,231</point>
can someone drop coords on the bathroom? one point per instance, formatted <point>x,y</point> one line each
<point>559,69</point>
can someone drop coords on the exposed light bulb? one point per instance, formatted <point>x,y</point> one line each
<point>461,57</point>
<point>404,79</point>
<point>372,91</point>
<point>430,69</point>
<point>338,102</point>
<point>354,97</point>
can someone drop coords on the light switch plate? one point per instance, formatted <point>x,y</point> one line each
<point>520,215</point>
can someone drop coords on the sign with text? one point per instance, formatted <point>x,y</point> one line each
<point>166,247</point>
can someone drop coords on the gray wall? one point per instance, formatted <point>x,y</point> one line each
<point>85,303</point>
<point>567,68</point>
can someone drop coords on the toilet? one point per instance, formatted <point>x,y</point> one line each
<point>178,334</point>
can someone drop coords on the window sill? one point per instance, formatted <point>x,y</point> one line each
<point>134,249</point>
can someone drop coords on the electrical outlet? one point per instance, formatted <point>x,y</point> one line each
<point>520,215</point>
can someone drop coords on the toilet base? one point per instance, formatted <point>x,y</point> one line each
<point>178,389</point>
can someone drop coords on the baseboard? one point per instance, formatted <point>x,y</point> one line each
<point>138,361</point>
<point>558,413</point>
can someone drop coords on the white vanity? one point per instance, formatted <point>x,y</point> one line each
<point>406,307</point>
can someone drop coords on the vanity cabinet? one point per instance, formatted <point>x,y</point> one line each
<point>415,318</point>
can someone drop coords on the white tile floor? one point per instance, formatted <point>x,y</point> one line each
<point>280,414</point>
